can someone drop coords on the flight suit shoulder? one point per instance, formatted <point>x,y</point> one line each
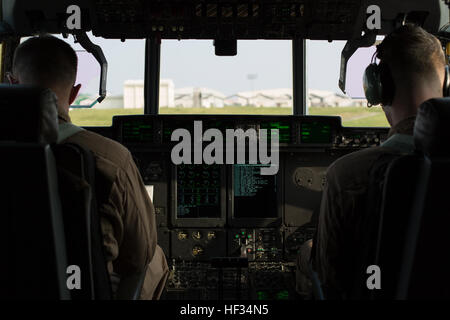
<point>352,170</point>
<point>103,147</point>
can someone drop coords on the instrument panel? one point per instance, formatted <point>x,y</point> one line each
<point>227,230</point>
<point>294,131</point>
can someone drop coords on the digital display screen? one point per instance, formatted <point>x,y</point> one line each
<point>255,195</point>
<point>170,126</point>
<point>198,191</point>
<point>315,132</point>
<point>284,129</point>
<point>138,130</point>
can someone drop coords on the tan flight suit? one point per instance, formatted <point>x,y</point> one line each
<point>127,217</point>
<point>344,202</point>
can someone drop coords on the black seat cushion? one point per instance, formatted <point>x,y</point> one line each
<point>31,232</point>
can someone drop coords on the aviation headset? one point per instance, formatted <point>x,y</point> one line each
<point>379,86</point>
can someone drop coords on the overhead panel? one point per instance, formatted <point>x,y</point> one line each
<point>219,19</point>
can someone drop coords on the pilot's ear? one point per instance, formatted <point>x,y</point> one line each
<point>74,93</point>
<point>11,78</point>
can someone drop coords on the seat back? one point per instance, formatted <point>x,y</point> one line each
<point>50,205</point>
<point>32,239</point>
<point>425,261</point>
<point>416,213</point>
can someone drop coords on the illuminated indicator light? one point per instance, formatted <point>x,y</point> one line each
<point>243,233</point>
<point>236,236</point>
<point>249,236</point>
<point>282,295</point>
<point>262,295</point>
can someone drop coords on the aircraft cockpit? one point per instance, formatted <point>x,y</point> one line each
<point>235,177</point>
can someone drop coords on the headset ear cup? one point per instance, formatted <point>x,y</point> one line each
<point>373,89</point>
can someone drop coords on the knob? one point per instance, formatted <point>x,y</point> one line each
<point>211,235</point>
<point>197,251</point>
<point>196,235</point>
<point>182,235</point>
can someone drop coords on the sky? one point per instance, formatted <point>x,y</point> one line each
<point>260,64</point>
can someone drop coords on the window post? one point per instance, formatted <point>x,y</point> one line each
<point>152,72</point>
<point>299,76</point>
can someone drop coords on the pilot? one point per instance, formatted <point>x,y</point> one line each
<point>412,70</point>
<point>127,215</point>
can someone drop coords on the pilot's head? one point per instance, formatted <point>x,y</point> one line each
<point>415,71</point>
<point>48,62</point>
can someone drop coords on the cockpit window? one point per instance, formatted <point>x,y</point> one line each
<point>258,80</point>
<point>324,95</point>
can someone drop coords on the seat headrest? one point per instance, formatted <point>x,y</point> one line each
<point>432,127</point>
<point>28,114</point>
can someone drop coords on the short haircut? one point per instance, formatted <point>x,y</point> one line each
<point>412,53</point>
<point>46,61</point>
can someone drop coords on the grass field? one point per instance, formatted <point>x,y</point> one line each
<point>351,116</point>
<point>354,116</point>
